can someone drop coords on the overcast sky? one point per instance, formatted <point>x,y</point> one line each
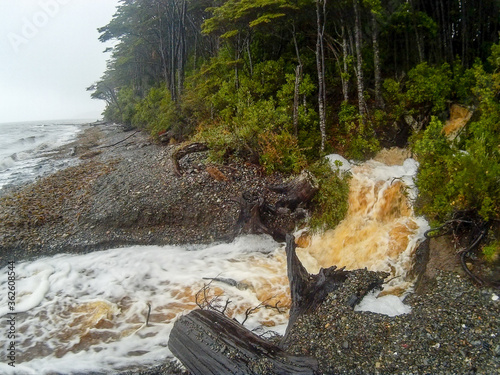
<point>49,55</point>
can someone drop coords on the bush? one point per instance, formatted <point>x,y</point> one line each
<point>332,200</point>
<point>356,135</point>
<point>429,87</point>
<point>156,112</point>
<point>280,152</point>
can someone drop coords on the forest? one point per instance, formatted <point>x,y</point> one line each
<point>282,83</point>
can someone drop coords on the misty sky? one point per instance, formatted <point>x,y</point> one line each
<point>49,55</point>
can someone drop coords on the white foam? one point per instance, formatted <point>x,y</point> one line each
<point>388,305</point>
<point>87,313</point>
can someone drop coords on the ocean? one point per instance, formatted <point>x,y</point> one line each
<point>26,149</point>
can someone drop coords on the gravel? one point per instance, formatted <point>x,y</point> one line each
<point>124,191</point>
<point>452,329</point>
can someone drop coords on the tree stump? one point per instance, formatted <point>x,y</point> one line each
<point>300,190</point>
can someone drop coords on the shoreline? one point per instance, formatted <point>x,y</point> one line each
<point>124,191</point>
<point>127,193</point>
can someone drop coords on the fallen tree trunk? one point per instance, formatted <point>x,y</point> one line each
<point>183,151</point>
<point>208,342</point>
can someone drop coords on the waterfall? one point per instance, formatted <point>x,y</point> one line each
<point>87,313</point>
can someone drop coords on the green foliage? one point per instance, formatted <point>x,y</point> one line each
<point>429,86</point>
<point>463,174</point>
<point>123,109</point>
<point>491,252</point>
<point>258,130</point>
<point>356,136</point>
<point>280,152</point>
<point>156,112</point>
<point>332,200</point>
<point>426,91</point>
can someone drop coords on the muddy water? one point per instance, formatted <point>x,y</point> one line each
<point>89,313</point>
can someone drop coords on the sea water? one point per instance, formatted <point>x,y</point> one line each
<point>26,149</point>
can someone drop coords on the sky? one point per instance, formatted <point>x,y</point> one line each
<point>49,55</point>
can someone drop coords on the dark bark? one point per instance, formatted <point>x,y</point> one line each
<point>250,218</point>
<point>259,217</point>
<point>207,342</point>
<point>300,190</point>
<point>308,291</point>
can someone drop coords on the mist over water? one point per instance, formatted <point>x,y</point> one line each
<point>26,149</point>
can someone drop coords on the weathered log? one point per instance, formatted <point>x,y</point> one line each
<point>183,151</point>
<point>300,190</point>
<point>207,342</point>
<point>308,291</point>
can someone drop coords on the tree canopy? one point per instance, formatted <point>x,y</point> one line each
<point>281,82</point>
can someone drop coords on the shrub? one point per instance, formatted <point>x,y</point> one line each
<point>156,112</point>
<point>356,135</point>
<point>332,200</point>
<point>280,152</point>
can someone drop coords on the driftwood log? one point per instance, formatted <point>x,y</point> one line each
<point>299,190</point>
<point>182,151</point>
<point>308,291</point>
<point>209,343</point>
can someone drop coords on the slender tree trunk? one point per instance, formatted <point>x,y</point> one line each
<point>249,53</point>
<point>237,57</point>
<point>376,63</point>
<point>345,73</point>
<point>420,47</point>
<point>359,58</point>
<point>298,80</point>
<point>296,93</point>
<point>320,59</point>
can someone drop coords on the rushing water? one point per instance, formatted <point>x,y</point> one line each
<point>87,313</point>
<point>26,148</point>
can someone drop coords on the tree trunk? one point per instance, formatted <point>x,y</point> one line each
<point>345,73</point>
<point>298,79</point>
<point>320,64</point>
<point>376,63</point>
<point>296,93</point>
<point>359,62</point>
